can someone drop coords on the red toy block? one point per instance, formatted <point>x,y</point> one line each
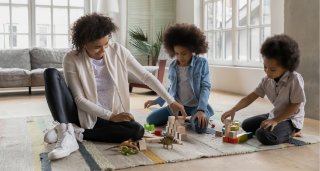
<point>233,140</point>
<point>158,132</point>
<point>225,139</point>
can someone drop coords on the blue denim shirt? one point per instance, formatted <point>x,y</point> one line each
<point>199,80</point>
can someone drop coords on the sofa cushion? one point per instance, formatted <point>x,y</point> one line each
<point>133,79</point>
<point>16,58</point>
<point>14,77</point>
<point>37,78</point>
<point>47,58</point>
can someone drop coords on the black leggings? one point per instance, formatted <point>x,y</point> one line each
<point>280,134</point>
<point>64,110</point>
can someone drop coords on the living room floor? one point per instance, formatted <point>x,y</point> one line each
<point>17,103</point>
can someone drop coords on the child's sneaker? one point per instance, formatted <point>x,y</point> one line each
<point>66,143</point>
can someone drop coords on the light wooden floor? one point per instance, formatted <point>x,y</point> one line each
<point>17,103</point>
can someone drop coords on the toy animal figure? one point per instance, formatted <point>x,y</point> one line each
<point>127,147</point>
<point>168,140</point>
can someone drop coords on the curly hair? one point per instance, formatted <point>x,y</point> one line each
<point>283,49</point>
<point>185,35</point>
<point>91,27</point>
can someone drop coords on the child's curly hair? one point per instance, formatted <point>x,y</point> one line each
<point>91,27</point>
<point>283,49</point>
<point>186,35</point>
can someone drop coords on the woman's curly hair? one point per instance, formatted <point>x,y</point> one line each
<point>185,35</point>
<point>283,49</point>
<point>91,27</point>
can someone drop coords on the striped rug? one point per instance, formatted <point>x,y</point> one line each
<point>23,137</point>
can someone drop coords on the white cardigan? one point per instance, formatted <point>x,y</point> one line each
<point>80,78</point>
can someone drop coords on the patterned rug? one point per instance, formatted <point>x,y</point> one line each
<point>98,156</point>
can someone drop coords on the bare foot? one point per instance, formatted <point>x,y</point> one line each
<point>297,134</point>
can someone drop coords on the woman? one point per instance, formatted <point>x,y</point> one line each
<point>96,72</point>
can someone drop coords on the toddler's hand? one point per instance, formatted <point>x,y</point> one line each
<point>269,123</point>
<point>201,118</point>
<point>227,114</point>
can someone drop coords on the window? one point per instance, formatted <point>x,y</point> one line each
<point>151,16</point>
<point>235,30</point>
<point>38,23</point>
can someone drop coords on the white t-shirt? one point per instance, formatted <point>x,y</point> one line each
<point>105,88</point>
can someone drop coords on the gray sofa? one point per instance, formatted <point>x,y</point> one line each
<point>25,67</point>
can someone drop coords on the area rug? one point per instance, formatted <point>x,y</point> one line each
<point>28,139</point>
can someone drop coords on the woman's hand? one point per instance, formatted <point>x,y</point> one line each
<point>202,119</point>
<point>149,103</point>
<point>269,123</point>
<point>122,117</point>
<point>227,114</point>
<point>176,108</point>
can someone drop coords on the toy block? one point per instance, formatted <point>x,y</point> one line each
<point>181,129</point>
<point>171,119</point>
<point>225,139</point>
<point>242,137</point>
<point>154,140</point>
<point>182,137</point>
<point>175,127</point>
<point>218,134</point>
<point>158,132</point>
<point>233,134</point>
<point>177,123</point>
<point>142,145</point>
<point>170,131</point>
<point>233,140</point>
<point>149,127</point>
<point>167,128</point>
<point>234,128</point>
<point>176,135</point>
<point>180,120</point>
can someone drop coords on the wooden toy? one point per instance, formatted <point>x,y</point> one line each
<point>231,135</point>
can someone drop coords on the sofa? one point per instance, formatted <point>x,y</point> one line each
<point>25,67</point>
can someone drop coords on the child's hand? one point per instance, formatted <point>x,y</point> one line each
<point>149,103</point>
<point>201,118</point>
<point>176,108</point>
<point>227,114</point>
<point>269,123</point>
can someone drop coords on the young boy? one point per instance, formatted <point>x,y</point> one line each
<point>189,77</point>
<point>283,86</point>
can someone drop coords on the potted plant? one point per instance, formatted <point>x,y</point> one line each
<point>140,41</point>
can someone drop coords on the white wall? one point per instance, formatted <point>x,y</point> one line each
<point>236,80</point>
<point>189,11</point>
<point>184,11</point>
<point>302,24</point>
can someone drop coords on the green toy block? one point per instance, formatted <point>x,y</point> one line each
<point>242,137</point>
<point>149,127</point>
